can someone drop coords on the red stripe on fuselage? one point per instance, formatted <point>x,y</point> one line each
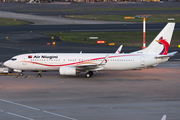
<point>81,62</point>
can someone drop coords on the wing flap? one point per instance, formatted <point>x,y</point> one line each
<point>93,66</point>
<point>85,65</point>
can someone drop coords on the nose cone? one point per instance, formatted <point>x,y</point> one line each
<point>7,64</point>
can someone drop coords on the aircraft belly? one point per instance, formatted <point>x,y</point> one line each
<point>122,66</point>
<point>31,66</point>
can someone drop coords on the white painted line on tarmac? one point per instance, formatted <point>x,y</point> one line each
<point>19,116</point>
<point>33,109</point>
<point>59,115</point>
<point>19,104</point>
<point>16,115</point>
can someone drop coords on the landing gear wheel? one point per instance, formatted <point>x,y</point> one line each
<point>89,74</point>
<point>20,74</point>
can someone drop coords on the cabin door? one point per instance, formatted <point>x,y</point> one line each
<point>24,59</point>
<point>142,61</point>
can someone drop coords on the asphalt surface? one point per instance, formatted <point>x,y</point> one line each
<point>101,27</point>
<point>47,20</point>
<point>57,13</point>
<point>23,7</point>
<point>145,94</point>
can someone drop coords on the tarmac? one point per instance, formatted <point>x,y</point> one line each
<point>145,94</point>
<point>42,20</point>
<point>116,95</point>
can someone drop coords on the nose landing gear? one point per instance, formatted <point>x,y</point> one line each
<point>21,74</point>
<point>89,74</point>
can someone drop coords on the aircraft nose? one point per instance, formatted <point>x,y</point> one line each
<point>6,64</point>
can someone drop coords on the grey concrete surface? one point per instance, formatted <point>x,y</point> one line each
<point>145,94</point>
<point>51,20</point>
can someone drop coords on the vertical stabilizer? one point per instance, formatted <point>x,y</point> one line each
<point>160,45</point>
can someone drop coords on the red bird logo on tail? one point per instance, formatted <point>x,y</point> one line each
<point>165,45</point>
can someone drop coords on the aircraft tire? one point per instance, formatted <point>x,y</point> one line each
<point>89,74</point>
<point>20,74</point>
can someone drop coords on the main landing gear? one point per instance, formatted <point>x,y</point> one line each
<point>89,74</point>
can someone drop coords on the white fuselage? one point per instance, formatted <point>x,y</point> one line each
<point>53,61</point>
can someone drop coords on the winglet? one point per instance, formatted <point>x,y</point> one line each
<point>104,60</point>
<point>164,117</point>
<point>119,49</point>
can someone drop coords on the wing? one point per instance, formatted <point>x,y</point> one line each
<point>92,66</point>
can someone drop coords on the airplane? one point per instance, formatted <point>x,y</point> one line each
<point>74,63</point>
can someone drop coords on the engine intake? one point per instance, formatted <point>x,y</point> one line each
<point>67,70</point>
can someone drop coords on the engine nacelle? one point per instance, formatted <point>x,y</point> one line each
<point>67,70</point>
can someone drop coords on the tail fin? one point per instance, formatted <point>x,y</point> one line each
<point>160,45</point>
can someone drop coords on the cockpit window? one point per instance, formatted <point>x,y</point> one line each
<point>13,59</point>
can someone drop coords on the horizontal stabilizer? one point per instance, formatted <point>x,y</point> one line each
<point>168,55</point>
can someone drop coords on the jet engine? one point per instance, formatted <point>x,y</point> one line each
<point>67,70</point>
